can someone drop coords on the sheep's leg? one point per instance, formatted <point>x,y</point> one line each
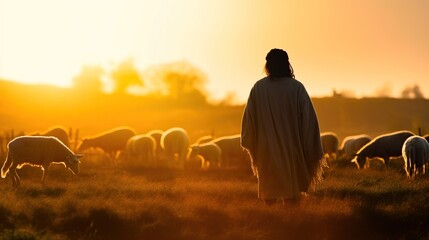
<point>44,173</point>
<point>113,157</point>
<point>386,161</point>
<point>150,157</point>
<point>218,161</point>
<point>15,178</point>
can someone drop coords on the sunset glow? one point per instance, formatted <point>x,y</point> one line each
<point>361,47</point>
<point>139,119</point>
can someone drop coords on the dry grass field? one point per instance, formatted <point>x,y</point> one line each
<point>106,201</point>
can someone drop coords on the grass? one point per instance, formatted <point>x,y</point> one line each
<point>155,203</point>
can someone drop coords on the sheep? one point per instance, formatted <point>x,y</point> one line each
<point>58,132</point>
<point>231,150</point>
<point>141,148</point>
<point>415,152</point>
<point>329,145</point>
<point>111,141</point>
<point>384,146</point>
<point>351,145</point>
<point>156,134</point>
<point>204,139</point>
<point>38,151</point>
<point>175,141</point>
<point>211,153</point>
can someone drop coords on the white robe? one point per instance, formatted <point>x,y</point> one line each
<point>281,132</point>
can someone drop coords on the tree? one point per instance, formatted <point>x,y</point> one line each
<point>412,92</point>
<point>182,82</point>
<point>89,79</point>
<point>125,76</point>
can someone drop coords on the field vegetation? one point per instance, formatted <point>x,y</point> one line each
<point>107,201</point>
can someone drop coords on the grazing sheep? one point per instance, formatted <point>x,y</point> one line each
<point>384,146</point>
<point>415,152</point>
<point>141,148</point>
<point>38,151</point>
<point>211,153</point>
<point>232,152</point>
<point>111,142</point>
<point>156,134</point>
<point>329,145</point>
<point>351,145</point>
<point>175,141</point>
<point>196,163</point>
<point>204,139</point>
<point>58,132</point>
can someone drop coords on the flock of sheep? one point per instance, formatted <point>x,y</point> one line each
<point>169,148</point>
<point>173,148</point>
<point>359,149</point>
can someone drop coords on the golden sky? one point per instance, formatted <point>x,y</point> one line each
<point>357,46</point>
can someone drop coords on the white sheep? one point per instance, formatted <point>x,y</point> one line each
<point>39,151</point>
<point>157,134</point>
<point>329,145</point>
<point>58,132</point>
<point>204,139</point>
<point>211,153</point>
<point>232,152</point>
<point>415,152</point>
<point>112,141</point>
<point>175,142</point>
<point>384,146</point>
<point>351,145</point>
<point>141,148</point>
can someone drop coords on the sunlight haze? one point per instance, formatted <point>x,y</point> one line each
<point>361,47</point>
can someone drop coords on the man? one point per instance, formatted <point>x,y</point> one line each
<point>281,132</point>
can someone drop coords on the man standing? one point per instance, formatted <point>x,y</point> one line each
<point>281,133</point>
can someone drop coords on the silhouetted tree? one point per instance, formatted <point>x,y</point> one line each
<point>124,76</point>
<point>412,92</point>
<point>182,82</point>
<point>89,79</point>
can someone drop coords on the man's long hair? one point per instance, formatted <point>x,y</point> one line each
<point>278,64</point>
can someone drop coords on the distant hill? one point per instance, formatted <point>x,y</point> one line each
<point>36,107</point>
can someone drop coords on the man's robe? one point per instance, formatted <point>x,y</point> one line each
<point>280,130</point>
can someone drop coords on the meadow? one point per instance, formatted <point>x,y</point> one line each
<point>106,201</point>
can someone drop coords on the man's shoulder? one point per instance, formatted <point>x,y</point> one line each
<point>262,81</point>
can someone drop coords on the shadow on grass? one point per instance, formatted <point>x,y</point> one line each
<point>6,219</point>
<point>40,191</point>
<point>103,223</point>
<point>385,212</point>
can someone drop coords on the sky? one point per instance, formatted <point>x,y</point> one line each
<point>363,48</point>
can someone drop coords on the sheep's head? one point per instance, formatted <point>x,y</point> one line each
<point>359,160</point>
<point>194,152</point>
<point>72,162</point>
